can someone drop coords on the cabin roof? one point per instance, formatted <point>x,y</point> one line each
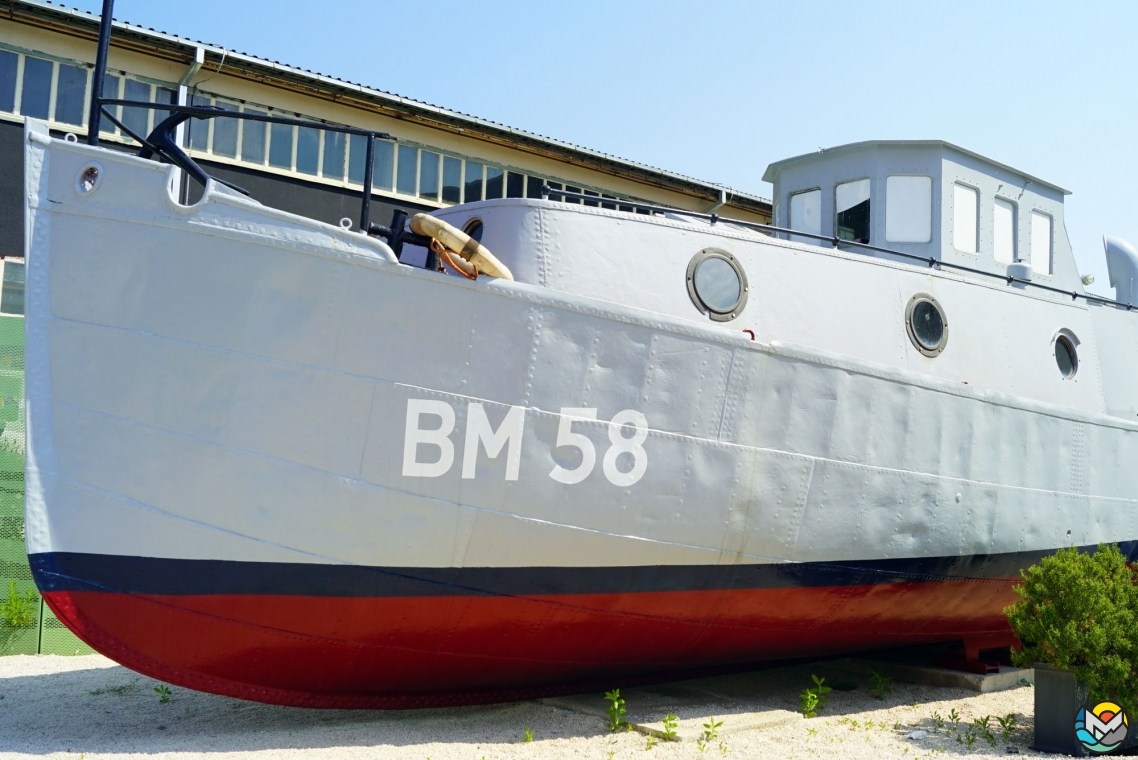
<point>773,170</point>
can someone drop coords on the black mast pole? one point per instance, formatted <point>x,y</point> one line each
<point>94,116</point>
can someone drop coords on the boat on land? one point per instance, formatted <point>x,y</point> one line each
<point>285,461</point>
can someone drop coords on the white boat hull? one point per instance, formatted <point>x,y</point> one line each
<point>237,479</point>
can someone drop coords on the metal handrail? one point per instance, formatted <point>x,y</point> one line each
<point>163,143</point>
<point>932,262</point>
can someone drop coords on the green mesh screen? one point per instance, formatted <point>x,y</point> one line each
<point>26,625</point>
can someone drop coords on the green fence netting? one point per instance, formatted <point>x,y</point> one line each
<point>27,626</point>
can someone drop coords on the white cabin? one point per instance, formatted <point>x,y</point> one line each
<point>929,198</point>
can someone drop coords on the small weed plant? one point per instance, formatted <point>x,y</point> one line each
<point>812,701</point>
<point>983,729</point>
<point>616,711</point>
<point>671,723</point>
<point>527,735</point>
<point>880,685</point>
<point>710,734</point>
<point>711,729</point>
<point>19,610</point>
<point>163,692</point>
<point>651,742</point>
<point>1008,725</point>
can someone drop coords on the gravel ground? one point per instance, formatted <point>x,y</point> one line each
<point>88,707</point>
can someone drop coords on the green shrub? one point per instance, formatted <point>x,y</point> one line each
<point>19,610</point>
<point>1079,612</point>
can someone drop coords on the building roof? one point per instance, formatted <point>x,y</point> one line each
<point>172,46</point>
<point>773,170</point>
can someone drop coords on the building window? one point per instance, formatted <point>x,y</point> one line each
<point>12,295</point>
<point>428,175</point>
<point>473,179</point>
<point>8,64</point>
<point>452,180</point>
<point>334,152</point>
<point>406,169</point>
<point>307,150</point>
<point>1041,243</point>
<point>280,146</point>
<point>852,210</point>
<point>908,209</point>
<point>70,94</point>
<point>253,138</point>
<point>515,185</point>
<point>533,186</point>
<point>1004,231</point>
<point>495,182</point>
<point>806,214</point>
<point>137,119</point>
<point>383,165</point>
<point>36,88</point>
<point>965,218</point>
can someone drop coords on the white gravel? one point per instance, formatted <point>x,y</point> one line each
<point>88,707</point>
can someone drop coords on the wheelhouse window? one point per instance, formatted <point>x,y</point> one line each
<point>1041,243</point>
<point>1004,231</point>
<point>852,210</point>
<point>908,209</point>
<point>965,218</point>
<point>806,214</point>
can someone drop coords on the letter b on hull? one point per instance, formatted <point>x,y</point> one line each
<point>414,435</point>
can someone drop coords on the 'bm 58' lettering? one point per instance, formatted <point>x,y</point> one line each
<point>508,436</point>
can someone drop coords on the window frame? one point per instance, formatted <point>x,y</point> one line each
<point>976,225</point>
<point>996,199</point>
<point>932,204</point>
<point>790,214</point>
<point>1050,271</point>
<point>870,239</point>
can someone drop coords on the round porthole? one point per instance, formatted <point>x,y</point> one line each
<point>474,229</point>
<point>926,323</point>
<point>717,284</point>
<point>1066,354</point>
<point>90,177</point>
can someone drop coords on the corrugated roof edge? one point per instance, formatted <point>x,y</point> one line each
<point>773,169</point>
<point>85,18</point>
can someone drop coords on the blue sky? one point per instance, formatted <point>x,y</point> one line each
<point>718,90</point>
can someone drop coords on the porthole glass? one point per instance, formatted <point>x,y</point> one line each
<point>474,229</point>
<point>716,284</point>
<point>1066,357</point>
<point>926,324</point>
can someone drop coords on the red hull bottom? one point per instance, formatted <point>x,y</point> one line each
<point>406,652</point>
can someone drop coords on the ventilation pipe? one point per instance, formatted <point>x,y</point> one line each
<point>1122,264</point>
